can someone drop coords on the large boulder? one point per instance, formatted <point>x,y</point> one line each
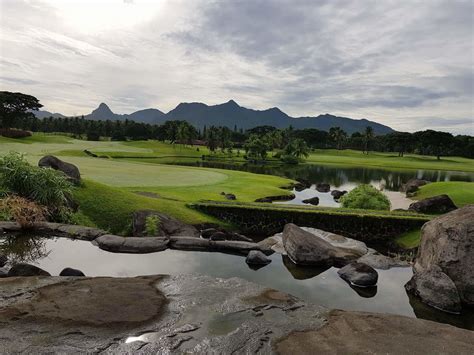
<point>70,170</point>
<point>447,242</point>
<point>436,289</point>
<point>359,274</point>
<point>412,185</point>
<point>435,204</point>
<point>305,248</point>
<point>23,269</point>
<point>167,226</point>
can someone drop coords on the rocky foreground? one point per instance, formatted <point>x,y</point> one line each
<point>198,314</point>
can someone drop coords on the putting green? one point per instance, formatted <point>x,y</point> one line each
<point>129,174</point>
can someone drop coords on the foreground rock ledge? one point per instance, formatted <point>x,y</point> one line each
<point>198,314</point>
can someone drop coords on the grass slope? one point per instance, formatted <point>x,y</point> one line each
<point>462,193</point>
<point>409,240</point>
<point>111,208</point>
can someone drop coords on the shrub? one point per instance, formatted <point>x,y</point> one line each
<point>14,133</point>
<point>23,211</point>
<point>365,197</point>
<point>152,224</point>
<point>46,187</point>
<point>289,159</point>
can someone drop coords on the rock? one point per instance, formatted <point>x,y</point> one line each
<point>218,236</point>
<point>167,225</point>
<point>223,193</point>
<point>71,272</point>
<point>313,201</point>
<point>359,274</point>
<point>206,233</point>
<point>230,197</point>
<point>373,333</point>
<point>189,243</point>
<point>70,170</point>
<point>338,194</point>
<point>435,204</point>
<point>305,248</point>
<point>3,260</point>
<point>323,187</point>
<point>129,315</point>
<point>256,257</point>
<point>436,289</point>
<point>264,200</point>
<point>412,186</point>
<point>134,245</point>
<point>447,241</point>
<point>239,237</point>
<point>23,269</point>
<point>380,261</point>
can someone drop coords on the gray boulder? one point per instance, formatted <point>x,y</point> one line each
<point>305,248</point>
<point>208,232</point>
<point>323,187</point>
<point>71,272</point>
<point>359,274</point>
<point>70,170</point>
<point>256,257</point>
<point>167,226</point>
<point>218,236</point>
<point>435,204</point>
<point>133,245</point>
<point>336,194</point>
<point>436,289</point>
<point>413,185</point>
<point>230,197</point>
<point>312,201</point>
<point>448,243</point>
<point>23,269</point>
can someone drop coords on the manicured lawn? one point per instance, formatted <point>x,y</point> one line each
<point>409,240</point>
<point>390,160</point>
<point>462,193</point>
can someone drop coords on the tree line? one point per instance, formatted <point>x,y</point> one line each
<point>292,144</point>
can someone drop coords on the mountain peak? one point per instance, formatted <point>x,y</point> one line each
<point>232,103</point>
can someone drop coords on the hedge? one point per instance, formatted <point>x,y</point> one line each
<point>268,219</point>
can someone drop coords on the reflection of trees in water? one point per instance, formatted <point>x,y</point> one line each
<point>23,248</point>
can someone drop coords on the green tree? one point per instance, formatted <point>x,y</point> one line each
<point>15,106</point>
<point>368,137</point>
<point>338,135</point>
<point>256,148</point>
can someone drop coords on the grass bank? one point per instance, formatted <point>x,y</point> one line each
<point>462,193</point>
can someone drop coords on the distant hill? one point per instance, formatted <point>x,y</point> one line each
<point>103,112</point>
<point>43,114</point>
<point>231,114</point>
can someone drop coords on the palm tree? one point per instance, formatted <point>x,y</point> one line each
<point>338,135</point>
<point>368,136</point>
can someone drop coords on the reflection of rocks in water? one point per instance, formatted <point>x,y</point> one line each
<point>423,311</point>
<point>366,292</point>
<point>302,272</point>
<point>23,248</point>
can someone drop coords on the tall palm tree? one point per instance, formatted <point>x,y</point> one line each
<point>368,136</point>
<point>338,135</point>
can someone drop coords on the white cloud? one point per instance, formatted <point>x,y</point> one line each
<point>407,64</point>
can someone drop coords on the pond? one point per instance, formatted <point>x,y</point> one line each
<point>344,178</point>
<point>320,286</point>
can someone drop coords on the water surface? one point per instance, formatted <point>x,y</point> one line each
<point>318,285</point>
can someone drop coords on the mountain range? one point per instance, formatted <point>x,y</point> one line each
<point>232,115</point>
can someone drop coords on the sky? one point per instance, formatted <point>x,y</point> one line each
<point>406,63</point>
